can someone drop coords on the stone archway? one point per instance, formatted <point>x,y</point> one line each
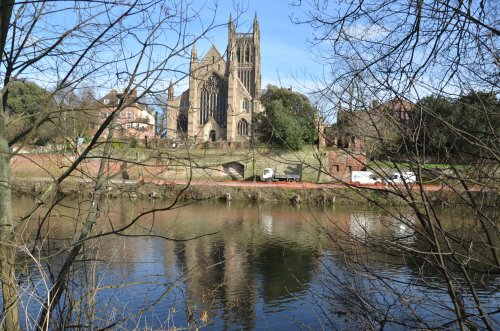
<point>212,131</point>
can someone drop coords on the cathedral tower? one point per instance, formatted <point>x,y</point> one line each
<point>247,47</point>
<point>223,94</point>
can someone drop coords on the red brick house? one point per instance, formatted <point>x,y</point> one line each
<point>360,132</point>
<point>135,119</point>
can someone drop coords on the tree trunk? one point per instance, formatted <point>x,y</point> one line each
<point>10,290</point>
<point>59,287</point>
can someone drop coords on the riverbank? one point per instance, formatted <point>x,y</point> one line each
<point>196,190</point>
<point>167,177</point>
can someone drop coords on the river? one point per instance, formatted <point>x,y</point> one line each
<point>237,266</point>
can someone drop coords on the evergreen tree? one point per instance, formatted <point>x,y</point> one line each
<point>289,119</point>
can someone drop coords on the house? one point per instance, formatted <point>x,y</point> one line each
<point>381,123</point>
<point>396,108</point>
<point>364,133</point>
<point>134,119</point>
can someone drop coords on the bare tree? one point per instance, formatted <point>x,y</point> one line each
<point>67,47</point>
<point>405,51</point>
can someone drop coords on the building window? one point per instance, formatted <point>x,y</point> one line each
<point>243,127</point>
<point>245,76</point>
<point>245,105</point>
<point>213,101</point>
<point>118,120</point>
<point>128,120</point>
<point>105,101</point>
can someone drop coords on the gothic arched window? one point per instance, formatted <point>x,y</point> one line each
<point>213,101</point>
<point>182,123</point>
<point>245,105</point>
<point>243,127</point>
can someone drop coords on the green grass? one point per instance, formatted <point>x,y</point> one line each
<point>206,162</point>
<point>257,158</point>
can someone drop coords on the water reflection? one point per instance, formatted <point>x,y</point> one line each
<point>266,224</point>
<point>369,224</point>
<point>262,267</point>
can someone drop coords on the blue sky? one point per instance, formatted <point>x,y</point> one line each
<point>284,53</point>
<point>285,60</point>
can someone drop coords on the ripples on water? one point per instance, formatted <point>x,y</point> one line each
<point>265,267</point>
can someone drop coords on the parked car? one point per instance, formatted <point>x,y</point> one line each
<point>364,177</point>
<point>407,177</point>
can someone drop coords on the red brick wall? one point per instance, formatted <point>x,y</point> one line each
<point>341,164</point>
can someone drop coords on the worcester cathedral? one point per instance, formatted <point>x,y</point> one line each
<point>223,94</point>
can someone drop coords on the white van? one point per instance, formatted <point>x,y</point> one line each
<point>364,177</point>
<point>397,177</point>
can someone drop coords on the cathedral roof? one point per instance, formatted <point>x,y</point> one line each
<point>214,54</point>
<point>242,87</point>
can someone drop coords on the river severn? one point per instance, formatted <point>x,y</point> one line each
<point>237,266</point>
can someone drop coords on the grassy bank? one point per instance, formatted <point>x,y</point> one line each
<point>183,163</point>
<point>32,172</point>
